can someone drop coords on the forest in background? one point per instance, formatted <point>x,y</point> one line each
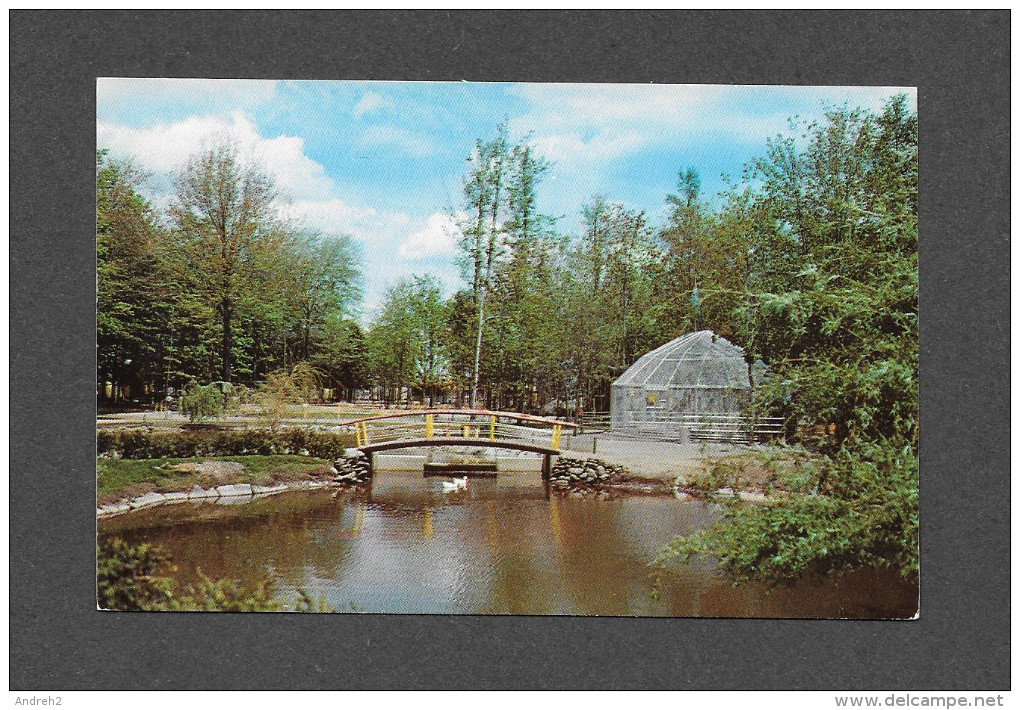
<point>219,287</point>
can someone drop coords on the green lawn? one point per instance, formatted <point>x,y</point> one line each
<point>116,478</point>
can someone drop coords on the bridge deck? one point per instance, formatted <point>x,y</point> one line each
<point>374,447</point>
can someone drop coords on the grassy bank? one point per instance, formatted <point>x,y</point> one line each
<point>128,478</point>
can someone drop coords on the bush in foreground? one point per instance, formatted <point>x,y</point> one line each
<point>128,579</point>
<point>864,514</point>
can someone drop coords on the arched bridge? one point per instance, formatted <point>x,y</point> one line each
<point>461,427</point>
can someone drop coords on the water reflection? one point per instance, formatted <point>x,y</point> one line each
<point>502,546</point>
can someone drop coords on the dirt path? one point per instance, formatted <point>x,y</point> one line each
<point>658,460</point>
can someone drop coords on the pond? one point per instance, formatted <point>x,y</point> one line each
<point>503,545</point>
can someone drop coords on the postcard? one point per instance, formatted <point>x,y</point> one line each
<point>507,348</point>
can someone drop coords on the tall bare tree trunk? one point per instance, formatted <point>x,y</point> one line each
<point>227,339</point>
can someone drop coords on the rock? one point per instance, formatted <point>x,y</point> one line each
<point>234,490</point>
<point>332,469</point>
<point>113,509</point>
<point>175,497</point>
<point>198,492</point>
<point>575,470</point>
<point>233,500</point>
<point>146,500</point>
<point>219,470</point>
<point>354,453</point>
<point>267,490</point>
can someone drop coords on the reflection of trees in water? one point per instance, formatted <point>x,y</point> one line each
<point>487,550</point>
<point>700,590</point>
<point>516,547</point>
<point>278,536</point>
<point>601,571</point>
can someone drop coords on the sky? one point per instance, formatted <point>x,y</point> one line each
<point>383,162</point>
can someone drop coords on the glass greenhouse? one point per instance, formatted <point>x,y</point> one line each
<point>697,376</point>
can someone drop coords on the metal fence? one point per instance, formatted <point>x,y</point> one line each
<point>675,426</point>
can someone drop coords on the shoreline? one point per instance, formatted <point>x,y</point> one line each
<point>236,492</point>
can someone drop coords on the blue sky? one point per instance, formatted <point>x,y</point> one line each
<point>383,161</point>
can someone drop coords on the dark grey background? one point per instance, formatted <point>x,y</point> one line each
<point>959,61</point>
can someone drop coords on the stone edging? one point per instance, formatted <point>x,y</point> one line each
<point>350,469</point>
<point>234,492</point>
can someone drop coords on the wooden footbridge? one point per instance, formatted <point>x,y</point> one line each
<point>461,427</point>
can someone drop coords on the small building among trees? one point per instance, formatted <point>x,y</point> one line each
<point>695,377</point>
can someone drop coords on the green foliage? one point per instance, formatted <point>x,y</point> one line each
<point>142,444</point>
<point>298,385</point>
<point>202,401</point>
<point>131,299</point>
<point>128,579</point>
<point>222,287</point>
<point>126,576</point>
<point>809,263</point>
<point>114,476</point>
<point>405,344</point>
<point>865,514</point>
<point>225,595</point>
<point>830,302</point>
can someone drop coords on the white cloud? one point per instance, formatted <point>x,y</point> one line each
<point>334,216</point>
<point>310,196</point>
<point>369,103</point>
<point>396,137</point>
<point>166,147</point>
<point>565,148</point>
<point>581,126</point>
<point>437,238</point>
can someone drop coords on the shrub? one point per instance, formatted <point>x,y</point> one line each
<point>144,444</point>
<point>127,580</point>
<point>865,515</point>
<point>126,576</point>
<point>201,401</point>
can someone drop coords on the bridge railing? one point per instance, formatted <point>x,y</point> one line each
<point>460,424</point>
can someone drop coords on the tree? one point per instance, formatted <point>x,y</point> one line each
<point>131,298</point>
<point>227,234</point>
<point>429,314</point>
<point>834,279</point>
<point>596,217</point>
<point>611,291</point>
<point>326,281</point>
<point>691,254</point>
<point>482,234</point>
<point>519,283</point>
<point>341,355</point>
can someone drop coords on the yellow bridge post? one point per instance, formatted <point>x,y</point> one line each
<point>428,426</point>
<point>557,430</point>
<point>492,428</point>
<point>361,430</point>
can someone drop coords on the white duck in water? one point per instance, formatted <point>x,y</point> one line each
<point>458,484</point>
